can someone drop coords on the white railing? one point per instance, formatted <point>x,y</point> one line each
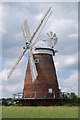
<point>37,95</point>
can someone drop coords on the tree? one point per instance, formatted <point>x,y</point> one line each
<point>72,96</point>
<point>74,99</point>
<point>7,102</point>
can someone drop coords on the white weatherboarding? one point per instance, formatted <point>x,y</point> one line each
<point>30,40</point>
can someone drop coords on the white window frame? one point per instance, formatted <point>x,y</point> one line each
<point>50,90</point>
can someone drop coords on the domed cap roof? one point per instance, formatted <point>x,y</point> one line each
<point>41,44</point>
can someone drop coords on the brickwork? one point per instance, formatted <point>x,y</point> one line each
<point>46,80</point>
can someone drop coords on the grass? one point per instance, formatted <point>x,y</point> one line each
<point>39,112</point>
<point>0,112</point>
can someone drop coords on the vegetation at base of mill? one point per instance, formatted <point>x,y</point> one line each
<point>39,112</point>
<point>69,109</point>
<point>69,99</point>
<point>7,101</point>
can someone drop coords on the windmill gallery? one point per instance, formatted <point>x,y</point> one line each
<point>40,84</point>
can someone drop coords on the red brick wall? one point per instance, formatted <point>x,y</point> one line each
<point>46,79</point>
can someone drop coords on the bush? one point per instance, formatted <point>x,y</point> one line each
<point>7,102</point>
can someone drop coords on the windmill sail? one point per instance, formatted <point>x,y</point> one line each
<point>26,31</point>
<point>34,72</point>
<point>17,62</point>
<point>38,29</point>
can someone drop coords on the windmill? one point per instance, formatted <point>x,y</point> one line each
<point>40,79</point>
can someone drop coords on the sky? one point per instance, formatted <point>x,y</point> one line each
<point>63,21</point>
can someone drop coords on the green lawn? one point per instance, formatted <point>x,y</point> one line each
<point>39,112</point>
<point>0,112</point>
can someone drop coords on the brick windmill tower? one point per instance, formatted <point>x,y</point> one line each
<point>40,84</point>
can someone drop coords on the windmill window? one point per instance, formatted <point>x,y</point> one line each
<point>50,90</point>
<point>36,60</point>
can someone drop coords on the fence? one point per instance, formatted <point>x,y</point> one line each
<point>37,95</point>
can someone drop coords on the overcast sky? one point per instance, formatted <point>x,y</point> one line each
<point>63,21</point>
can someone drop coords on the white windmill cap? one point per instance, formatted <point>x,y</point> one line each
<point>41,44</point>
<point>42,47</point>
